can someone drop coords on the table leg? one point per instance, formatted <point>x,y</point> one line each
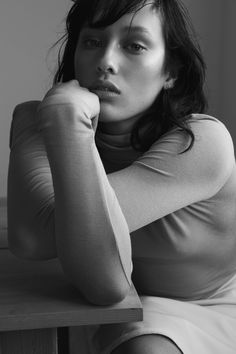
<point>37,341</point>
<point>78,340</point>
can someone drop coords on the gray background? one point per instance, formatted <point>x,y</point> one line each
<point>28,28</point>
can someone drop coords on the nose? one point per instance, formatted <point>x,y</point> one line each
<point>108,62</point>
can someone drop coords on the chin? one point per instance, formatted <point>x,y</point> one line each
<point>119,116</point>
<point>109,116</point>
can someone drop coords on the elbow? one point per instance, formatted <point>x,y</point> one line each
<point>106,297</point>
<point>99,288</point>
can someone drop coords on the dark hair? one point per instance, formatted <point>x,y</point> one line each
<point>173,107</point>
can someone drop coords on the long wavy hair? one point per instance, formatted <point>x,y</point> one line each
<point>183,60</point>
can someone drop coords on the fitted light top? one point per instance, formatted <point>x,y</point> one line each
<point>188,252</point>
<point>177,210</point>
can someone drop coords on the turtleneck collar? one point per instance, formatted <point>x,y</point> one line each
<point>115,150</point>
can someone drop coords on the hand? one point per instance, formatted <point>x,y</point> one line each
<point>73,96</point>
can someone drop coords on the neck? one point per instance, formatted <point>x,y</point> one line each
<point>115,148</point>
<point>112,137</point>
<point>118,127</point>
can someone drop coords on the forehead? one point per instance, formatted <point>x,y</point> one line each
<point>146,19</point>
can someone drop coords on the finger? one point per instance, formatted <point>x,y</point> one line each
<point>73,82</point>
<point>60,85</point>
<point>95,122</point>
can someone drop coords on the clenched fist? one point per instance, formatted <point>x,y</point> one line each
<point>68,101</point>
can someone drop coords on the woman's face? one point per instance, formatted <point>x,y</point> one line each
<point>129,54</point>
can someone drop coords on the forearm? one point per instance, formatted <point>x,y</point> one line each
<point>92,236</point>
<point>30,190</point>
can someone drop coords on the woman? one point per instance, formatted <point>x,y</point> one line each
<point>119,155</point>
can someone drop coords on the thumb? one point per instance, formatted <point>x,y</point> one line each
<point>73,82</point>
<point>95,122</point>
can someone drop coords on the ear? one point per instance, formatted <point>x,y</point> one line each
<point>169,83</point>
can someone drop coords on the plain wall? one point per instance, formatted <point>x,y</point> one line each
<point>228,73</point>
<point>215,24</point>
<point>28,28</point>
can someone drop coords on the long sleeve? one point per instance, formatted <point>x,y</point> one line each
<point>93,213</point>
<point>92,236</point>
<point>93,241</point>
<point>30,190</point>
<point>164,180</point>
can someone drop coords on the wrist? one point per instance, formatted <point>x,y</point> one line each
<point>56,120</point>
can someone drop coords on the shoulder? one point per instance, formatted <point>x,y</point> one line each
<point>212,136</point>
<point>24,112</point>
<point>25,108</point>
<point>23,119</point>
<point>206,120</point>
<point>210,160</point>
<point>213,149</point>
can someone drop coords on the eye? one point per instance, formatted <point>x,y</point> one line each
<point>92,43</point>
<point>136,48</point>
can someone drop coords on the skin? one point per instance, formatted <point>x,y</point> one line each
<point>131,59</point>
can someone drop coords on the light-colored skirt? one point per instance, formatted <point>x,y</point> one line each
<point>204,326</point>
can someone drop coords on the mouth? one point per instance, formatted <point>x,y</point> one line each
<point>105,89</point>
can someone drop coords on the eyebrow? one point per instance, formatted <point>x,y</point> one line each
<point>133,29</point>
<point>138,29</point>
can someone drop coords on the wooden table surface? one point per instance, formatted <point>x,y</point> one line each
<point>36,294</point>
<point>3,223</point>
<point>41,312</point>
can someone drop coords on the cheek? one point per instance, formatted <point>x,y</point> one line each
<point>148,74</point>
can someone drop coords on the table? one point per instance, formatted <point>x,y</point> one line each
<point>3,223</point>
<point>36,300</point>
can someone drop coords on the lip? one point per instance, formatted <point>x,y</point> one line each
<point>105,88</point>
